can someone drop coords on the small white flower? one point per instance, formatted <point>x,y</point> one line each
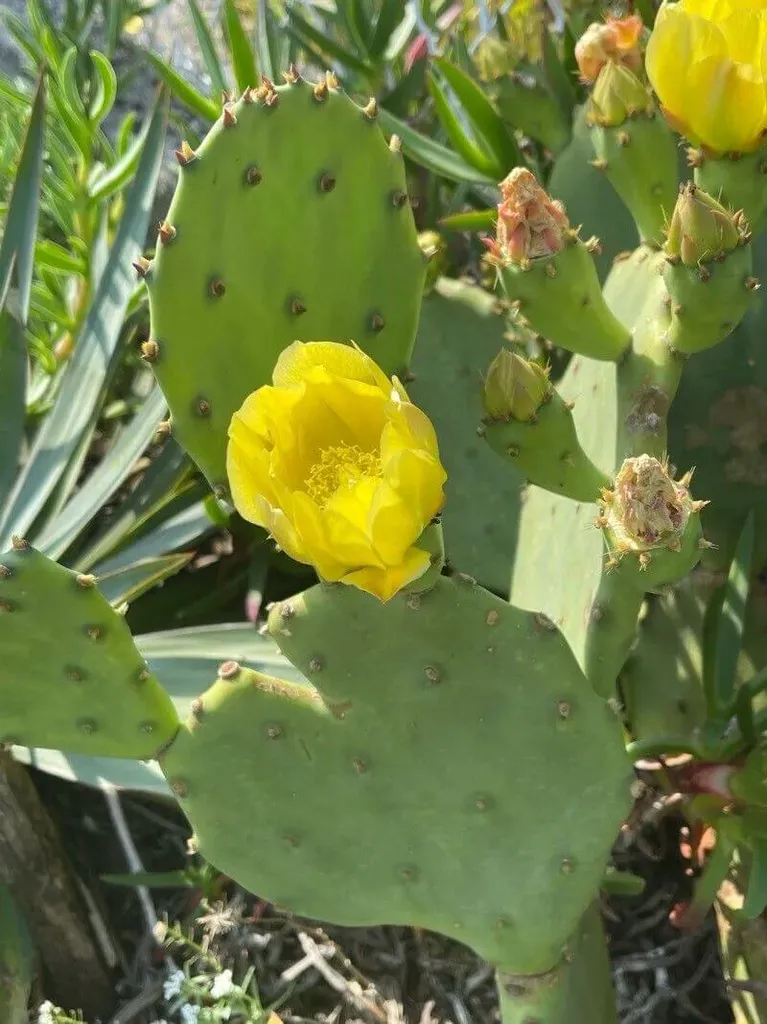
<point>189,1014</point>
<point>172,986</point>
<point>45,1013</point>
<point>225,1013</point>
<point>222,985</point>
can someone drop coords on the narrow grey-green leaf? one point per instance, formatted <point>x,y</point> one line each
<point>207,48</point>
<point>243,58</point>
<point>430,154</point>
<point>17,248</point>
<point>84,376</point>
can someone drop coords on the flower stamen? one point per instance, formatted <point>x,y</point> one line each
<point>340,465</point>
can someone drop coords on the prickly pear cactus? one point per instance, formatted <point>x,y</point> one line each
<point>430,758</point>
<point>72,677</point>
<point>291,221</point>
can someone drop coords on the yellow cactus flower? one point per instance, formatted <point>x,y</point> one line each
<point>707,61</point>
<point>339,466</point>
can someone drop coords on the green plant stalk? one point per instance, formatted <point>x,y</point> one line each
<point>612,627</point>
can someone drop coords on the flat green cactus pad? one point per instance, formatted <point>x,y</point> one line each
<point>292,221</point>
<point>71,676</point>
<point>17,962</point>
<point>459,334</point>
<point>418,781</point>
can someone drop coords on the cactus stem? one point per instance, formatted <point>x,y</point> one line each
<point>150,350</point>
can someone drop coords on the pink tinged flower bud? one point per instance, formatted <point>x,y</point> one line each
<point>530,223</point>
<point>616,40</point>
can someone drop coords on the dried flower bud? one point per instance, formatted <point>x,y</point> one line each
<point>530,223</point>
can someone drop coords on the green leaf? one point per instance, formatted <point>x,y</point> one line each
<point>156,489</point>
<point>471,153</point>
<point>390,16</point>
<point>182,90</point>
<point>472,220</point>
<point>268,42</point>
<point>207,48</point>
<point>110,473</point>
<point>106,183</point>
<point>17,248</point>
<point>731,619</point>
<point>104,99</point>
<point>756,894</point>
<point>13,387</point>
<point>559,79</point>
<point>327,46</point>
<point>179,531</point>
<point>84,377</point>
<point>430,154</point>
<point>51,254</point>
<point>484,118</point>
<point>123,586</point>
<point>243,58</point>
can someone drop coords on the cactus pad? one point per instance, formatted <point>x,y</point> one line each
<point>72,677</point>
<point>417,781</point>
<point>290,222</point>
<point>459,334</point>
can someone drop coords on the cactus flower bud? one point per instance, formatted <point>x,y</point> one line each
<point>530,223</point>
<point>515,388</point>
<point>618,95</point>
<point>700,228</point>
<point>647,513</point>
<point>616,40</point>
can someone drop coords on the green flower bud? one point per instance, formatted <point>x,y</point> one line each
<point>617,96</point>
<point>514,388</point>
<point>701,228</point>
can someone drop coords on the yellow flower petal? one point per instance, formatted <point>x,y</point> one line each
<point>729,111</point>
<point>297,360</point>
<point>385,583</point>
<point>339,466</point>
